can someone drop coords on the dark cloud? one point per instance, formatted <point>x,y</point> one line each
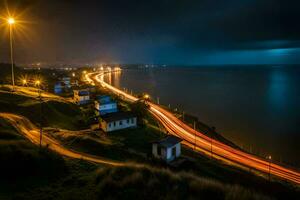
<point>154,31</point>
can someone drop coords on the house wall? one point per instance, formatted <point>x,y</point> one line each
<point>113,126</point>
<point>155,152</point>
<point>170,157</point>
<point>81,99</point>
<point>106,108</point>
<point>166,153</point>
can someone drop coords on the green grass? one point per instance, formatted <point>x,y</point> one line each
<point>55,113</point>
<point>24,165</point>
<point>137,183</point>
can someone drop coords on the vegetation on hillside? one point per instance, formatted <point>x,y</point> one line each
<point>24,163</point>
<point>52,112</point>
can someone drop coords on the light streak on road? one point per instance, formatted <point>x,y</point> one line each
<point>30,131</point>
<point>202,142</point>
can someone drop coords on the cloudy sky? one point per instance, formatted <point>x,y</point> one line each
<point>187,32</point>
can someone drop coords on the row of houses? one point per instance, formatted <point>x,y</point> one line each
<point>111,119</point>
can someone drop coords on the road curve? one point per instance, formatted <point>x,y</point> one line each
<point>199,140</point>
<point>30,131</point>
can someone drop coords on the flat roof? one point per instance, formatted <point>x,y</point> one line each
<point>169,141</point>
<point>112,117</point>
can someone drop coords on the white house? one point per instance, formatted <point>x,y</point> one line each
<point>81,96</point>
<point>118,120</point>
<point>105,105</point>
<point>167,149</point>
<point>66,81</point>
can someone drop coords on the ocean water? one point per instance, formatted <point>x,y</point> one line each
<point>256,107</point>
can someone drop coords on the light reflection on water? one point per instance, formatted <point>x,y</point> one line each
<point>258,108</point>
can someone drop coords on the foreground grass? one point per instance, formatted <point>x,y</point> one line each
<point>138,183</point>
<point>23,163</point>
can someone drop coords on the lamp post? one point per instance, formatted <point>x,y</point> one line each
<point>270,159</point>
<point>38,84</point>
<point>195,136</point>
<point>11,22</point>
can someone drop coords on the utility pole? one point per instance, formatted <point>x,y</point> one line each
<point>41,116</point>
<point>158,100</point>
<point>11,23</point>
<point>211,145</point>
<point>183,116</point>
<point>269,157</point>
<point>195,135</point>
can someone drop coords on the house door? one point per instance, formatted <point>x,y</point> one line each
<point>174,151</point>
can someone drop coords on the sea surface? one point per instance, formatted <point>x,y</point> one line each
<point>257,107</point>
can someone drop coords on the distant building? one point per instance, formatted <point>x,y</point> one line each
<point>81,96</point>
<point>167,149</point>
<point>58,88</point>
<point>105,105</point>
<point>118,120</point>
<point>66,81</point>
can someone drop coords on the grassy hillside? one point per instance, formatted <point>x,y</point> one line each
<point>54,112</point>
<point>23,163</point>
<point>140,183</point>
<point>29,173</point>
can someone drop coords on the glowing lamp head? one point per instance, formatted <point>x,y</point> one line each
<point>24,81</point>
<point>37,82</point>
<point>11,21</point>
<point>146,96</point>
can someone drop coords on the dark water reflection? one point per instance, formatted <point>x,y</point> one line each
<point>256,107</point>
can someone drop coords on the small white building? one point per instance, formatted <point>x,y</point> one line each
<point>167,149</point>
<point>81,96</point>
<point>105,105</point>
<point>66,81</point>
<point>117,121</point>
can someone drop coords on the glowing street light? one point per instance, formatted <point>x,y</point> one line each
<point>24,81</point>
<point>11,21</point>
<point>37,82</point>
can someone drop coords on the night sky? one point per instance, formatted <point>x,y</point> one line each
<point>187,32</point>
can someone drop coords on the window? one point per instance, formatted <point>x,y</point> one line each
<point>120,122</point>
<point>127,121</point>
<point>159,150</point>
<point>114,123</point>
<point>109,125</point>
<point>174,151</point>
<point>132,120</point>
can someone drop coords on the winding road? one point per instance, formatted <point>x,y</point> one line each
<point>30,131</point>
<point>199,140</point>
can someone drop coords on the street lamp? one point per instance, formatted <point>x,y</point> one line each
<point>38,84</point>
<point>24,81</point>
<point>11,21</point>
<point>270,159</point>
<point>146,96</point>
